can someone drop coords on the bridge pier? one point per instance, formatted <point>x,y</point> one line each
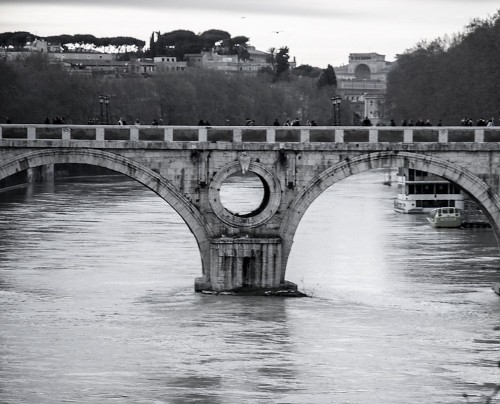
<point>239,264</point>
<point>44,173</point>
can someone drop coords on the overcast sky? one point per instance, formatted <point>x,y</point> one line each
<point>317,32</point>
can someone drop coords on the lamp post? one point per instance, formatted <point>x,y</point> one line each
<point>336,101</point>
<point>334,111</point>
<point>104,103</point>
<point>101,102</point>
<point>106,107</point>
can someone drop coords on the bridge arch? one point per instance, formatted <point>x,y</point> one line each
<point>150,179</point>
<point>469,182</point>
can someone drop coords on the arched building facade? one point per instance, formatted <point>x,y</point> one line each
<point>363,84</point>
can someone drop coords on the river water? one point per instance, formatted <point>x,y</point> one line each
<point>97,305</point>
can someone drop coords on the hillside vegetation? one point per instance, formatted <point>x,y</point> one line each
<point>450,78</point>
<point>32,89</point>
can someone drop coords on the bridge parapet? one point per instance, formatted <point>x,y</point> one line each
<point>246,134</point>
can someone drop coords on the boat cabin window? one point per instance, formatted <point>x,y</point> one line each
<point>433,189</point>
<point>427,189</point>
<point>416,174</point>
<point>438,203</point>
<point>445,211</point>
<point>441,188</point>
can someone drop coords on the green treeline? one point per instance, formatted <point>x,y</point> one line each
<point>449,79</point>
<point>17,40</point>
<point>32,89</point>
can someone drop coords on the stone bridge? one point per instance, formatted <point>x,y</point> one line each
<point>186,166</point>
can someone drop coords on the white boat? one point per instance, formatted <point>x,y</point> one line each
<point>420,192</point>
<point>445,217</point>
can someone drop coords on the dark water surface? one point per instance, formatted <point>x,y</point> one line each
<point>97,305</point>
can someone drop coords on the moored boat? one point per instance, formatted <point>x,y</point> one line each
<point>446,217</point>
<point>420,192</point>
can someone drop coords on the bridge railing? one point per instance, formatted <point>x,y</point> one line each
<point>239,134</point>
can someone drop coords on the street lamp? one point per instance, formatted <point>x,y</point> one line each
<point>104,103</point>
<point>101,102</point>
<point>106,107</point>
<point>336,101</point>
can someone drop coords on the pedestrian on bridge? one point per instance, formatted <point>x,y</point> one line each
<point>367,122</point>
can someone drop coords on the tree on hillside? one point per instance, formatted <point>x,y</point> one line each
<point>15,39</point>
<point>240,40</point>
<point>327,78</point>
<point>84,42</point>
<point>420,70</point>
<point>242,52</point>
<point>272,58</point>
<point>235,46</point>
<point>282,64</point>
<point>178,36</point>
<point>211,37</point>
<point>178,43</point>
<point>152,45</point>
<point>8,90</point>
<point>307,71</point>
<point>87,42</point>
<point>474,64</point>
<point>33,88</point>
<point>64,39</point>
<point>449,79</point>
<point>40,88</point>
<point>123,43</point>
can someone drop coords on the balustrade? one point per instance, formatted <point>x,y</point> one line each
<point>245,134</point>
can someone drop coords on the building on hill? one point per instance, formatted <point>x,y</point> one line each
<point>82,56</point>
<point>93,64</point>
<point>257,56</point>
<point>95,67</point>
<point>98,63</point>
<point>41,45</point>
<point>168,64</point>
<point>364,66</point>
<point>363,83</point>
<point>89,63</point>
<point>230,63</point>
<point>36,45</point>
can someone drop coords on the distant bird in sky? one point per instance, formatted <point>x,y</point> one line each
<point>277,32</point>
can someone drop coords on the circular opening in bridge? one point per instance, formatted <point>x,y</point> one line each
<point>243,194</point>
